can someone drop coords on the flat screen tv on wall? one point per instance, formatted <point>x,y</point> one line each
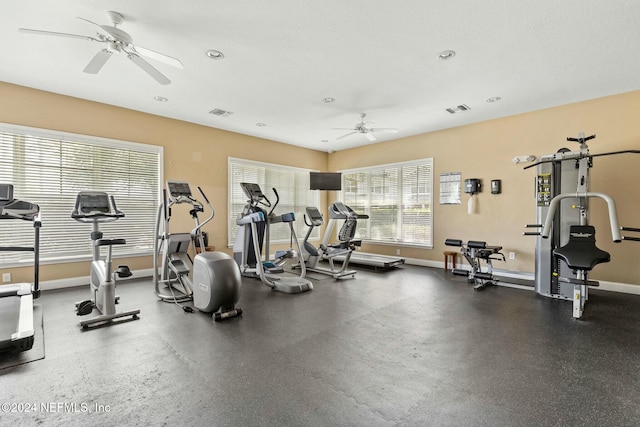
<point>325,181</point>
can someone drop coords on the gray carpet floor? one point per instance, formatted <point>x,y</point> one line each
<point>409,347</point>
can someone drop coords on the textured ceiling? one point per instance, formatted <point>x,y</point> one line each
<point>283,57</point>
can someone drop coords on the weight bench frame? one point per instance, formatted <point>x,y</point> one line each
<point>475,252</point>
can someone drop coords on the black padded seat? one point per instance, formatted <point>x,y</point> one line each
<point>580,252</point>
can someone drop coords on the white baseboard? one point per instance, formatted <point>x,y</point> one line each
<point>626,288</point>
<point>84,280</point>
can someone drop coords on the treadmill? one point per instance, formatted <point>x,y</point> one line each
<point>16,300</point>
<point>376,261</point>
<point>339,211</point>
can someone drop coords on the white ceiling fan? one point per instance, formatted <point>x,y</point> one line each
<point>368,132</point>
<point>117,40</point>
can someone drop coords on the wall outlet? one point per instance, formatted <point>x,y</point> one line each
<point>512,255</point>
<point>397,251</point>
<point>6,277</point>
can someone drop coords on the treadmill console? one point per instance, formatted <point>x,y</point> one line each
<point>6,193</point>
<point>11,208</point>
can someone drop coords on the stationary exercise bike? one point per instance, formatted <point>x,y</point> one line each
<point>96,207</point>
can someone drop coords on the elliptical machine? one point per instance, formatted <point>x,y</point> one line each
<point>97,207</point>
<point>253,232</point>
<point>211,280</point>
<point>329,251</point>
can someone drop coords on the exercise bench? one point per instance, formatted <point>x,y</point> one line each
<point>475,252</point>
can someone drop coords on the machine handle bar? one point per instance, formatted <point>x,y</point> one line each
<point>581,139</point>
<point>203,195</point>
<point>98,216</point>
<point>611,204</point>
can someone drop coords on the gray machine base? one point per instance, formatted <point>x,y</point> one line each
<point>292,285</point>
<point>105,319</point>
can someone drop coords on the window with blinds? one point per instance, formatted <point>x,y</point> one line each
<point>292,185</point>
<point>398,199</point>
<point>49,168</point>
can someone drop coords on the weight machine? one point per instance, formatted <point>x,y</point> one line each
<point>565,242</point>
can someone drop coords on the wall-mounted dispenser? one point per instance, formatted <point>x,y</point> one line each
<point>472,186</point>
<point>496,186</point>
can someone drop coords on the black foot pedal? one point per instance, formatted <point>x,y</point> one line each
<point>123,271</point>
<point>84,308</point>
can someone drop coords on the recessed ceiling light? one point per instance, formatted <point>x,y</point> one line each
<point>446,54</point>
<point>493,99</point>
<point>261,124</point>
<point>215,54</point>
<point>328,100</point>
<point>160,98</point>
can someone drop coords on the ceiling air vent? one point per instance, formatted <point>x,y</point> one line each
<point>460,108</point>
<point>220,112</point>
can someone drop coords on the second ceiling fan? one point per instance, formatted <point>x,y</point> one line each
<point>363,129</point>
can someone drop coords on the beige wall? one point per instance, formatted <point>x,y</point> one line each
<point>194,153</point>
<point>484,150</point>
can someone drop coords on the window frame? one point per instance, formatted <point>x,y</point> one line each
<point>300,227</point>
<point>52,213</point>
<point>380,188</point>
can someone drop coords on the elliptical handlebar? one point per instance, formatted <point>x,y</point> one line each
<point>273,208</point>
<point>199,226</point>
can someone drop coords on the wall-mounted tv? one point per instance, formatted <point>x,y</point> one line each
<point>325,181</point>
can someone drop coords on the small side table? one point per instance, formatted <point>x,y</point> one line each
<point>450,255</point>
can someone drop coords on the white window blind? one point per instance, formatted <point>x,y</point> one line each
<point>49,168</point>
<point>397,198</point>
<point>292,185</point>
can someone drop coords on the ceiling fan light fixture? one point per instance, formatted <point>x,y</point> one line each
<point>446,55</point>
<point>215,54</point>
<point>328,100</point>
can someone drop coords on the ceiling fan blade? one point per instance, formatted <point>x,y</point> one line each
<point>343,129</point>
<point>384,130</point>
<point>98,61</point>
<point>53,33</point>
<point>158,56</point>
<point>344,136</point>
<point>90,22</point>
<point>370,136</point>
<point>149,69</point>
